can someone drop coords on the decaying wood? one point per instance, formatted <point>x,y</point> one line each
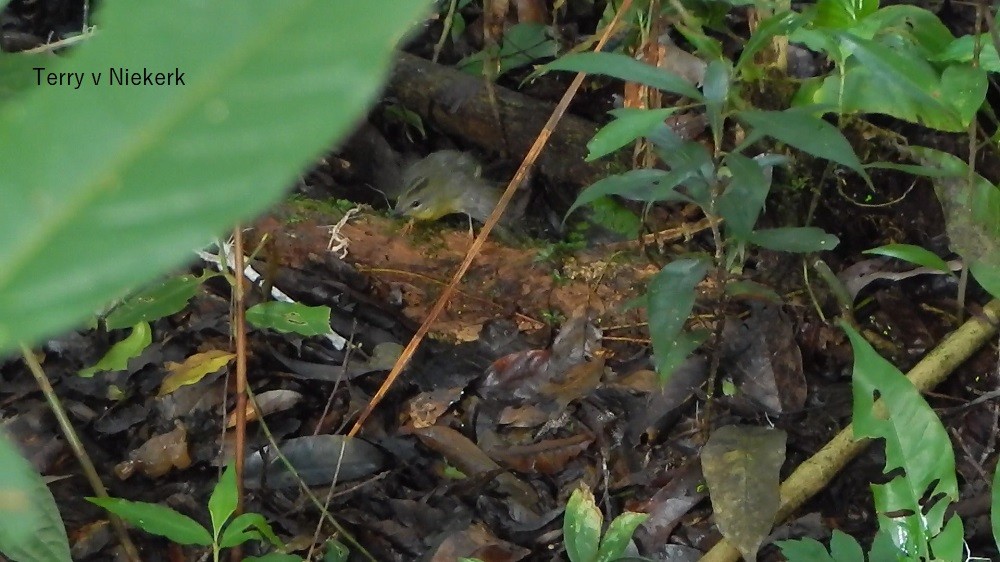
<point>458,104</point>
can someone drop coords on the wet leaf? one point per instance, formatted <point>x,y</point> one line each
<point>741,466</point>
<point>193,369</point>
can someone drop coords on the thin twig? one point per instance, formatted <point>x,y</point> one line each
<point>81,454</point>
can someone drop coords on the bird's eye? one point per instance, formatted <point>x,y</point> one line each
<point>415,204</point>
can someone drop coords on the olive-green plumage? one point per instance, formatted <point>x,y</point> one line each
<point>444,183</point>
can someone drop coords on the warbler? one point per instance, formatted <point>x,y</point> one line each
<point>450,182</point>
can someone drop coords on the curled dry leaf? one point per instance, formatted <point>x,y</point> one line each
<point>270,402</point>
<point>546,457</point>
<point>158,456</point>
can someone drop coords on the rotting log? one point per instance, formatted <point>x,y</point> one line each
<point>459,104</point>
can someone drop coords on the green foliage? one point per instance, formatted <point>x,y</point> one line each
<point>226,531</point>
<point>924,74</point>
<point>106,187</point>
<point>32,530</point>
<point>582,530</point>
<point>521,45</point>
<point>116,359</point>
<point>164,298</point>
<point>915,442</point>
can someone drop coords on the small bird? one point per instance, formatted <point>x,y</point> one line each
<point>450,182</point>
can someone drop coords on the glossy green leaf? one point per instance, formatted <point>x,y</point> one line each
<point>619,535</point>
<point>913,254</point>
<point>625,68</point>
<point>803,131</point>
<point>117,358</point>
<point>629,125</point>
<point>915,441</point>
<point>32,529</point>
<point>842,14</point>
<point>106,187</point>
<point>161,300</point>
<point>158,520</point>
<point>582,526</point>
<point>289,317</point>
<point>794,239</point>
<point>743,200</point>
<point>671,299</point>
<point>777,25</point>
<point>222,502</point>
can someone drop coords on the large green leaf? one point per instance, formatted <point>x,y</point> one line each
<point>31,529</point>
<point>104,187</point>
<point>917,443</point>
<point>908,85</point>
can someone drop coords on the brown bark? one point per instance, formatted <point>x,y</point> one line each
<point>458,105</point>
